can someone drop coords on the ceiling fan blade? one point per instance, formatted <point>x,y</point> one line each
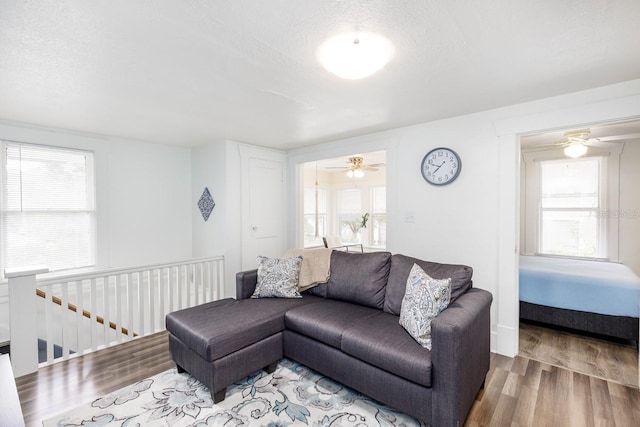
<point>375,165</point>
<point>616,138</point>
<point>369,168</point>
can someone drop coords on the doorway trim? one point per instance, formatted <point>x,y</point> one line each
<point>340,148</point>
<point>509,131</point>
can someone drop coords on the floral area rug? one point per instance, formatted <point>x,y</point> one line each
<point>292,395</point>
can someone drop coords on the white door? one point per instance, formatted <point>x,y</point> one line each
<point>263,205</point>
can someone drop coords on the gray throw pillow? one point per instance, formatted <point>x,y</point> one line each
<point>424,298</point>
<point>278,278</point>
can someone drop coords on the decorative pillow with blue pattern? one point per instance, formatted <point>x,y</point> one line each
<point>278,278</point>
<point>424,298</point>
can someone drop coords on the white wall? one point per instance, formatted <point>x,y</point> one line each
<point>208,169</point>
<point>629,214</point>
<point>475,220</point>
<point>233,227</point>
<point>217,166</point>
<point>142,191</point>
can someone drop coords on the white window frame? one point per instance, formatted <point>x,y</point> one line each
<point>609,193</point>
<point>376,215</point>
<point>90,209</point>
<point>322,216</point>
<point>601,223</point>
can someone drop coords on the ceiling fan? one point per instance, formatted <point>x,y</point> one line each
<point>356,167</point>
<point>577,142</point>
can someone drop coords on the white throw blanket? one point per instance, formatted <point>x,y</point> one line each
<point>315,268</point>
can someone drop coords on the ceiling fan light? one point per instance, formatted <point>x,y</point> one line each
<point>355,56</point>
<point>575,150</point>
<point>355,173</point>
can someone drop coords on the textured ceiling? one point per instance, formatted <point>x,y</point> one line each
<point>192,72</point>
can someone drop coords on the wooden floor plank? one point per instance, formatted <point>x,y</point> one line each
<point>607,359</point>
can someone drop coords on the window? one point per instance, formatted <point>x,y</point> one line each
<point>350,215</point>
<point>570,205</point>
<point>314,231</point>
<point>48,207</point>
<point>378,221</point>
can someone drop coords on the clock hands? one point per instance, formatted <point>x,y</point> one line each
<point>436,170</point>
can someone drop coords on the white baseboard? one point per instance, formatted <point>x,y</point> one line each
<point>506,340</point>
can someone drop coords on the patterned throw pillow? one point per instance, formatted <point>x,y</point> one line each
<point>278,278</point>
<point>424,298</point>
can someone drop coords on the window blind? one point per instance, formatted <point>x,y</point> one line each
<point>48,207</point>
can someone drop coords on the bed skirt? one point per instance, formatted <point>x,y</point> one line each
<point>603,324</point>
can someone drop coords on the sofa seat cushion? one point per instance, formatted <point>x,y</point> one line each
<point>218,328</point>
<point>382,342</point>
<point>326,320</point>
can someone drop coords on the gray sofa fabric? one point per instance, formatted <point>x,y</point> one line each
<point>460,360</point>
<point>397,392</point>
<point>326,320</point>
<point>193,326</point>
<point>348,331</point>
<point>399,272</point>
<point>393,349</point>
<point>359,278</point>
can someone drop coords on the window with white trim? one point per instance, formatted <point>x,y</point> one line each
<point>48,212</point>
<point>572,195</point>
<point>315,216</point>
<point>350,215</point>
<point>378,227</point>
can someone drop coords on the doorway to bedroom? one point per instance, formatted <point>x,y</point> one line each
<point>579,251</point>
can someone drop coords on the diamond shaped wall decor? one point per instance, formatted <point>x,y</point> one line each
<point>206,204</point>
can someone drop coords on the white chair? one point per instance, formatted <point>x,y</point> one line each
<point>334,242</point>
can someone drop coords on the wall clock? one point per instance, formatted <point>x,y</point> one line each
<point>441,166</point>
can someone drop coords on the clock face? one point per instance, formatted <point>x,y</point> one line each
<point>441,166</point>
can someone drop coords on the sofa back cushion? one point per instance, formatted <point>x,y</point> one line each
<point>359,278</point>
<point>401,266</point>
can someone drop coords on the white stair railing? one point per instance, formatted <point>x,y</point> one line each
<point>82,313</point>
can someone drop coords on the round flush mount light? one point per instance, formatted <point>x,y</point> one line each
<point>355,56</point>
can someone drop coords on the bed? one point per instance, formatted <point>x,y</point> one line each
<point>591,296</point>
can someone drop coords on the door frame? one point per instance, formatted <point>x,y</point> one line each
<point>509,132</point>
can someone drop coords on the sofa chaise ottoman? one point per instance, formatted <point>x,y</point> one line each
<point>348,329</point>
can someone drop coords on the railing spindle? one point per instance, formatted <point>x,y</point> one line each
<point>79,318</point>
<point>118,291</point>
<point>94,307</point>
<point>64,319</point>
<point>48,316</point>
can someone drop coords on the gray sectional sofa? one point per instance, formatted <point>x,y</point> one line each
<point>347,329</point>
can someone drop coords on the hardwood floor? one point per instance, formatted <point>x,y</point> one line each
<point>68,384</point>
<point>519,391</point>
<point>615,361</point>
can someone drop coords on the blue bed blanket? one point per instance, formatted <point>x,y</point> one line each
<point>591,286</point>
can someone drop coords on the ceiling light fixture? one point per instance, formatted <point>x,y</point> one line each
<point>575,150</point>
<point>355,56</point>
<point>355,173</point>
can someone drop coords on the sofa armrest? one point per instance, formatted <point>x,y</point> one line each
<point>461,338</point>
<point>246,283</point>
